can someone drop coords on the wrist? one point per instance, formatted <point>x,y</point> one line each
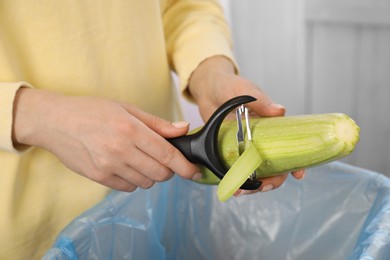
<point>209,72</point>
<point>29,113</point>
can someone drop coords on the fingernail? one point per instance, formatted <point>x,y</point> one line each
<point>237,193</point>
<point>247,192</point>
<point>197,176</point>
<point>277,106</point>
<point>180,124</point>
<point>267,187</point>
<point>303,175</point>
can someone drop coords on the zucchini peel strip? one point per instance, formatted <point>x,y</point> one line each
<point>242,168</point>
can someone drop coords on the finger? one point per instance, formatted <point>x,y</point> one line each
<point>136,178</point>
<point>271,183</point>
<point>165,153</point>
<point>149,167</point>
<point>163,127</point>
<point>129,174</point>
<point>268,184</point>
<point>264,105</point>
<point>118,183</point>
<point>168,129</point>
<point>299,175</point>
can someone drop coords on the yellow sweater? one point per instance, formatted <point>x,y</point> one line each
<point>122,50</point>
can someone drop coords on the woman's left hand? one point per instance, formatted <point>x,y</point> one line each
<point>214,82</point>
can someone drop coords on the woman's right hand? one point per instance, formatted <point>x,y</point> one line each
<point>112,143</point>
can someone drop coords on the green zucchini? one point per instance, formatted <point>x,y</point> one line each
<point>289,143</point>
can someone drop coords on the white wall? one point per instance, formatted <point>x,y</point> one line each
<point>269,46</point>
<point>319,56</point>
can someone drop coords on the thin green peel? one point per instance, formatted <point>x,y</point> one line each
<point>239,172</point>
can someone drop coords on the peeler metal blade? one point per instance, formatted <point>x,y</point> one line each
<point>240,132</point>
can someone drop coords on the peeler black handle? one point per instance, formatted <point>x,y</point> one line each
<point>202,146</point>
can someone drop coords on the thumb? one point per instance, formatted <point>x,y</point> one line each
<point>267,109</point>
<point>162,127</point>
<point>169,130</point>
<point>264,105</point>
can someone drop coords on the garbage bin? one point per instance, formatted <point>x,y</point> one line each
<point>337,212</point>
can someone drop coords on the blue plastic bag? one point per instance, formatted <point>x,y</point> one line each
<point>337,212</point>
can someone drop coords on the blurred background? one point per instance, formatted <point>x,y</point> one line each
<point>320,56</point>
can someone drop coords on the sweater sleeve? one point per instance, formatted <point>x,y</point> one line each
<point>7,97</point>
<point>195,31</point>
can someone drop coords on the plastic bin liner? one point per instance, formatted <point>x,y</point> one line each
<point>337,212</point>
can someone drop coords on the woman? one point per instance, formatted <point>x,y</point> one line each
<point>85,88</point>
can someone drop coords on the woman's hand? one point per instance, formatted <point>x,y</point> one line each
<point>112,143</point>
<point>214,82</point>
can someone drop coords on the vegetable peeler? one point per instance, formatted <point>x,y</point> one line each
<point>202,146</point>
